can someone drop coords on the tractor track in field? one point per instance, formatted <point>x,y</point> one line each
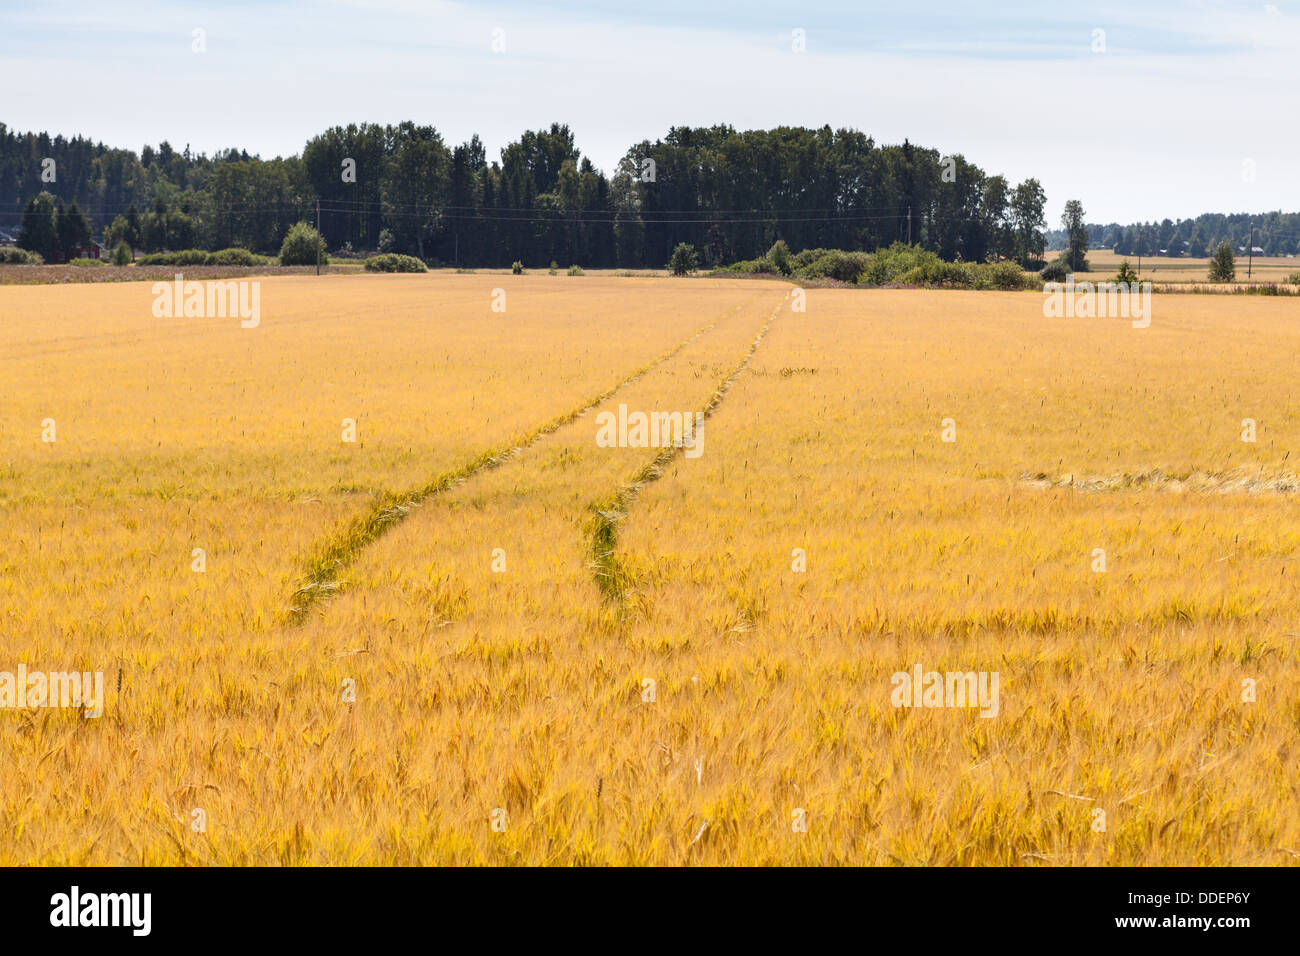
<point>610,513</point>
<point>337,552</point>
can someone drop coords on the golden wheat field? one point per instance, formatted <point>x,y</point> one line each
<point>475,634</point>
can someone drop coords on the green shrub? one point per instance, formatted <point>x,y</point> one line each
<point>395,262</point>
<point>1057,271</point>
<point>804,258</point>
<point>834,264</point>
<point>779,256</point>
<point>554,269</point>
<point>122,254</point>
<point>937,273</point>
<point>1126,273</point>
<point>86,262</point>
<point>844,266</point>
<point>750,267</point>
<point>236,257</point>
<point>190,257</point>
<point>841,265</point>
<point>890,265</point>
<point>1223,266</point>
<point>517,267</point>
<point>575,270</point>
<point>1007,276</point>
<point>899,264</point>
<point>684,259</point>
<point>14,256</point>
<point>185,257</point>
<point>1294,278</point>
<point>301,247</point>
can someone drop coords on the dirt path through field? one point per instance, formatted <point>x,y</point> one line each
<point>337,552</point>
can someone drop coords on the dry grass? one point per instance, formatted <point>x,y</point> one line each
<point>522,689</point>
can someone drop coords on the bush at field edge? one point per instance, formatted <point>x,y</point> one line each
<point>395,262</point>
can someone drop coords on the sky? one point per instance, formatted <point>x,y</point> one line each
<point>1141,111</point>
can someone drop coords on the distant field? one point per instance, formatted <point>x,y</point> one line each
<point>70,274</point>
<point>1162,269</point>
<point>75,275</point>
<point>575,654</point>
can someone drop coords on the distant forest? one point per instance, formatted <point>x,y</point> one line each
<point>1276,233</point>
<point>731,194</point>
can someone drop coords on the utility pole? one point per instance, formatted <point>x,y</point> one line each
<point>909,225</point>
<point>1250,262</point>
<point>318,236</point>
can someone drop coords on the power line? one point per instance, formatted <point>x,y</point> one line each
<point>586,217</point>
<point>373,203</point>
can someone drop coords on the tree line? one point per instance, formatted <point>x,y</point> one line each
<point>1276,233</point>
<point>401,188</point>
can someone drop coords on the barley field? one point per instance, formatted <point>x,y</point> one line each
<point>476,635</point>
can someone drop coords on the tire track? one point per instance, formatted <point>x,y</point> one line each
<point>335,553</point>
<point>610,513</point>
